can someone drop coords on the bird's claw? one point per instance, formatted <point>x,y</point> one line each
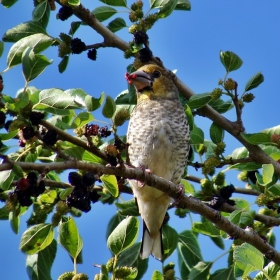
<point>181,194</point>
<point>145,170</point>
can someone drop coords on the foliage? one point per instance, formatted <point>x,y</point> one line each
<point>43,121</point>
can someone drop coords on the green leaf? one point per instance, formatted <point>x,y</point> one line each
<point>221,106</point>
<point>6,178</point>
<point>9,135</point>
<point>82,119</point>
<point>197,136</point>
<point>183,5</point>
<point>128,208</point>
<point>167,7</point>
<point>219,242</point>
<point>256,138</point>
<point>23,30</point>
<point>41,13</point>
<point>90,157</point>
<point>116,24</point>
<point>199,100</point>
<point>188,248</point>
<point>113,223</point>
<point>8,3</point>
<point>39,265</point>
<point>33,64</point>
<point>169,240</point>
<point>36,238</point>
<point>48,197</point>
<point>104,12</point>
<point>230,60</point>
<point>206,228</point>
<point>38,42</point>
<point>1,47</point>
<point>222,274</point>
<point>248,258</point>
<point>110,183</point>
<point>157,275</point>
<point>255,81</point>
<point>74,27</point>
<point>14,221</point>
<point>94,103</point>
<point>267,173</point>
<point>189,115</point>
<point>216,133</point>
<point>142,267</point>
<point>200,271</point>
<point>270,270</point>
<point>109,107</point>
<point>242,218</point>
<point>69,238</point>
<point>63,64</point>
<point>188,187</point>
<point>124,235</point>
<point>18,170</point>
<point>129,256</point>
<point>75,152</point>
<point>74,2</point>
<point>120,3</point>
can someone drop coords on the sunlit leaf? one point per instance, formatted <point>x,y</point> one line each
<point>230,60</point>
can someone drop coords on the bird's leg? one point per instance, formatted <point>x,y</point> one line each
<point>181,194</point>
<point>144,172</point>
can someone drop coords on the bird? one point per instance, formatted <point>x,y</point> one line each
<point>158,140</point>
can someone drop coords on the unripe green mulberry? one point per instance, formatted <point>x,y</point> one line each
<point>150,20</point>
<point>121,116</point>
<point>123,271</point>
<point>66,276</point>
<point>181,213</point>
<point>169,266</point>
<point>230,84</point>
<point>110,265</point>
<point>133,17</point>
<point>206,184</point>
<point>219,179</point>
<point>128,53</point>
<point>220,148</point>
<point>268,212</point>
<point>248,97</point>
<point>80,276</point>
<point>278,275</point>
<point>209,164</point>
<point>169,274</point>
<point>134,28</point>
<point>241,103</point>
<point>63,49</point>
<point>242,176</point>
<point>216,93</point>
<point>97,277</point>
<point>262,199</point>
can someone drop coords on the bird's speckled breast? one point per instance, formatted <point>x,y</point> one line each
<point>158,137</point>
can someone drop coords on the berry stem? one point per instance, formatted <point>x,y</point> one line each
<point>114,267</point>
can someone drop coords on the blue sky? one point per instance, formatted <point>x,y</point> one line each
<point>187,41</point>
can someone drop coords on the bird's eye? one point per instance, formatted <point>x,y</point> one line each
<point>156,74</point>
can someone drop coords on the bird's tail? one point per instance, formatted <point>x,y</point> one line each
<point>151,244</point>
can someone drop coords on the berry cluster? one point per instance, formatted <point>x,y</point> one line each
<point>64,13</point>
<point>82,195</point>
<point>2,118</point>
<point>140,37</point>
<point>92,54</point>
<point>36,117</point>
<point>225,193</point>
<point>77,46</point>
<point>145,55</point>
<point>50,137</point>
<point>28,132</point>
<point>27,187</point>
<point>95,130</point>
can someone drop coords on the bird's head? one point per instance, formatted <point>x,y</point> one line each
<point>152,82</point>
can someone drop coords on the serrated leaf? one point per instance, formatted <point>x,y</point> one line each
<point>216,133</point>
<point>270,270</point>
<point>169,240</point>
<point>1,47</point>
<point>94,103</point>
<point>230,60</point>
<point>120,3</point>
<point>206,228</point>
<point>104,12</point>
<point>63,64</point>
<point>199,100</point>
<point>255,81</point>
<point>222,274</point>
<point>116,24</point>
<point>124,235</point>
<point>69,237</point>
<point>197,136</point>
<point>189,115</point>
<point>110,183</point>
<point>167,7</point>
<point>188,248</point>
<point>39,265</point>
<point>23,30</point>
<point>256,138</point>
<point>248,258</point>
<point>36,238</point>
<point>38,42</point>
<point>200,271</point>
<point>183,5</point>
<point>82,119</point>
<point>109,107</point>
<point>33,64</point>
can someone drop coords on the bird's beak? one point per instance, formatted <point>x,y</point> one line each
<point>139,79</point>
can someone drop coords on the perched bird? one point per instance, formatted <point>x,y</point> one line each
<point>158,140</point>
